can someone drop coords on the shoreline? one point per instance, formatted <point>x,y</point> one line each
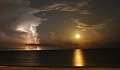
<point>56,68</point>
<point>67,66</point>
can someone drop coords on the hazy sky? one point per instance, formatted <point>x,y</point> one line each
<point>58,21</point>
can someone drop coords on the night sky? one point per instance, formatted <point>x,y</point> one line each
<point>58,21</point>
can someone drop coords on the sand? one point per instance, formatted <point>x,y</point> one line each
<point>53,68</point>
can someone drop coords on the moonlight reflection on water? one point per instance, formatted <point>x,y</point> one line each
<point>78,58</point>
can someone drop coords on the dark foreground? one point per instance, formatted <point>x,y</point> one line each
<point>53,68</point>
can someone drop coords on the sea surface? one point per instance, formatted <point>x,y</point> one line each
<point>61,58</point>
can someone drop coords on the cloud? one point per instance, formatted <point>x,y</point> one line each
<point>17,21</point>
<point>52,35</point>
<point>79,7</point>
<point>85,12</point>
<point>82,26</point>
<point>57,6</point>
<point>82,4</point>
<point>94,26</point>
<point>68,9</point>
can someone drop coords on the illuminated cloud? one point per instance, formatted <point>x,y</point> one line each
<point>81,25</point>
<point>82,4</point>
<point>67,7</point>
<point>87,26</point>
<point>17,21</point>
<point>58,6</point>
<point>85,12</point>
<point>92,28</point>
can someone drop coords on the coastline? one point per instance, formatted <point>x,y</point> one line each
<point>57,68</point>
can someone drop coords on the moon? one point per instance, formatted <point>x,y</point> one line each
<point>77,36</point>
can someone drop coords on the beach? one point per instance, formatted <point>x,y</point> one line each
<point>55,68</point>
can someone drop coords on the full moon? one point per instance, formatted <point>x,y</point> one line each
<point>77,36</point>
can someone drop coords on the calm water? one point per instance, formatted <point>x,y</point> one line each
<point>75,57</point>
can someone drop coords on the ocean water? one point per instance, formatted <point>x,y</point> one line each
<point>61,58</point>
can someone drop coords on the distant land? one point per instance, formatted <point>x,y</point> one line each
<point>42,44</point>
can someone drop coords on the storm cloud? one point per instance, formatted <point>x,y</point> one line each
<point>17,21</point>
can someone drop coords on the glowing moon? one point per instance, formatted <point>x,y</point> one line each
<point>77,36</point>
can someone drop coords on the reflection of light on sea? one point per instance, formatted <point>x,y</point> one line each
<point>29,47</point>
<point>78,58</point>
